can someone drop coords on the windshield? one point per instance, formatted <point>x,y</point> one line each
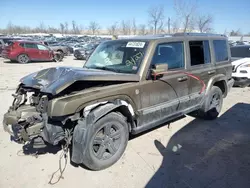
<point>118,56</point>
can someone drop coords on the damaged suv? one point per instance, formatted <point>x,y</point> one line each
<point>127,86</point>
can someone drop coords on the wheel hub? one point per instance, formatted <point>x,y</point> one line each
<point>106,142</point>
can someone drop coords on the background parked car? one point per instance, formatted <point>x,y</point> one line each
<point>85,52</point>
<point>241,65</point>
<point>64,50</point>
<point>26,51</point>
<point>1,46</point>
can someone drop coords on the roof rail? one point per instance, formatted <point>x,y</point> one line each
<point>153,36</point>
<point>198,34</point>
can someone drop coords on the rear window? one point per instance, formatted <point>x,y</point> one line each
<point>220,50</point>
<point>10,43</point>
<point>240,51</point>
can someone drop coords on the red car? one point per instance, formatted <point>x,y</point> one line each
<point>26,51</point>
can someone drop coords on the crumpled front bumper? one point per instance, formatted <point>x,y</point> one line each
<point>26,124</point>
<point>23,124</point>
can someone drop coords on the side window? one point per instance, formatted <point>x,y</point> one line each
<point>220,50</point>
<point>240,51</point>
<point>170,53</point>
<point>30,45</point>
<point>41,47</point>
<point>21,44</point>
<point>199,52</point>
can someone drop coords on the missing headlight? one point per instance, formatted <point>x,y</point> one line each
<point>43,104</point>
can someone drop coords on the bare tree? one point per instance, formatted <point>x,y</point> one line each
<point>66,27</point>
<point>42,28</point>
<point>169,23</point>
<point>74,26</point>
<point>113,28</point>
<point>175,26</point>
<point>53,30</point>
<point>235,33</point>
<point>134,27</point>
<point>204,23</point>
<point>125,27</point>
<point>142,29</point>
<point>62,28</point>
<point>185,11</point>
<point>156,18</point>
<point>10,28</point>
<point>94,27</point>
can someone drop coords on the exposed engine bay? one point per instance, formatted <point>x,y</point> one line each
<point>27,119</point>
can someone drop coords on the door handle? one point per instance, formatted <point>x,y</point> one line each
<point>211,72</point>
<point>181,79</point>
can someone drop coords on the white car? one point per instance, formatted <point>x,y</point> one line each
<point>241,72</point>
<point>241,65</point>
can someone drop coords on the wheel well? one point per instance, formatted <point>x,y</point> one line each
<point>222,85</point>
<point>60,50</point>
<point>125,112</point>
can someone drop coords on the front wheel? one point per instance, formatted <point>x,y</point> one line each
<point>108,141</point>
<point>212,105</point>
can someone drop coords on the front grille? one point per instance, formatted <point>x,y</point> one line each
<point>243,71</point>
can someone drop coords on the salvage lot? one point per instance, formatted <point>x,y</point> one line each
<point>187,153</point>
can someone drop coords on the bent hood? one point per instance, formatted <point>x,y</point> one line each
<point>54,80</point>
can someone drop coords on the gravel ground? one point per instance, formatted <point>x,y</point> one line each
<point>187,153</point>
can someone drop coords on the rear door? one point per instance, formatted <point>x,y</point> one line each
<point>200,67</point>
<point>32,51</point>
<point>167,96</point>
<point>44,52</point>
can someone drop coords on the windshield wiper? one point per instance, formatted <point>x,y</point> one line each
<point>107,68</point>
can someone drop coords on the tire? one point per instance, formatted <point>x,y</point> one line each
<point>61,52</point>
<point>212,105</point>
<point>58,57</point>
<point>107,142</point>
<point>23,59</point>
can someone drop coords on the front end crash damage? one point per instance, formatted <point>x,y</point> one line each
<point>33,119</point>
<point>27,119</point>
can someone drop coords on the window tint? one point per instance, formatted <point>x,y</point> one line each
<point>220,50</point>
<point>199,52</point>
<point>171,54</point>
<point>41,47</point>
<point>240,51</point>
<point>30,45</point>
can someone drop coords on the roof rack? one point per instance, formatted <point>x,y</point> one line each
<point>153,36</point>
<point>198,34</point>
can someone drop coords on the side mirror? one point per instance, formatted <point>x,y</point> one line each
<point>158,70</point>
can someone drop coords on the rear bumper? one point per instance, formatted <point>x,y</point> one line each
<point>241,81</point>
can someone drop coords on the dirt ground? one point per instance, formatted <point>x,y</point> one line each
<point>188,153</point>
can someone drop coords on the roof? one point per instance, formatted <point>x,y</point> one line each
<point>163,36</point>
<point>27,41</point>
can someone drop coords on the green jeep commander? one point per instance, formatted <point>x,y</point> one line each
<point>126,87</point>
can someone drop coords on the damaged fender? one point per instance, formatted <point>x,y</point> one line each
<point>83,130</point>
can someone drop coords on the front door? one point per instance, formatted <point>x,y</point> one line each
<point>167,96</point>
<point>44,53</point>
<point>31,50</point>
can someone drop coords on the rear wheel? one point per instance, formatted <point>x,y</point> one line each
<point>23,58</point>
<point>212,105</point>
<point>108,141</point>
